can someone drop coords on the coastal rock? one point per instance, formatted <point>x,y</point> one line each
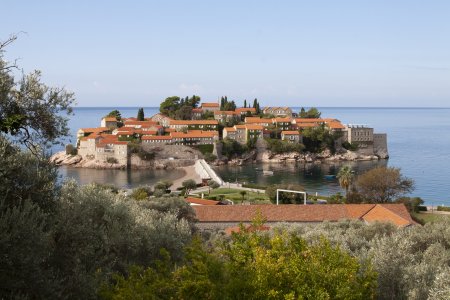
<point>61,158</point>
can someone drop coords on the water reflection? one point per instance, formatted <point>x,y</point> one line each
<point>309,175</point>
<point>119,178</point>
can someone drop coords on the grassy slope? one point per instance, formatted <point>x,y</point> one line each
<point>430,217</point>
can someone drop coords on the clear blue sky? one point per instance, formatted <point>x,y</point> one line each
<point>297,53</point>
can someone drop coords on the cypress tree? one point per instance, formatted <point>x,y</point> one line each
<point>245,103</point>
<point>140,115</point>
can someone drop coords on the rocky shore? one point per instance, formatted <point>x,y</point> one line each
<point>269,157</point>
<point>175,156</point>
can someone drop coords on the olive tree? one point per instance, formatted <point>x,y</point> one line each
<point>30,110</point>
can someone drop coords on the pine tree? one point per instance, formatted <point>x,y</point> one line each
<point>140,115</point>
<point>255,103</point>
<point>245,103</point>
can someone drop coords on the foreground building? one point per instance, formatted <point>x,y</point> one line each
<point>222,217</point>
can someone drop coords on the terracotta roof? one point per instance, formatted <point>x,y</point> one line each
<point>200,201</point>
<point>291,132</point>
<point>110,119</point>
<point>395,213</point>
<point>240,126</point>
<point>308,120</point>
<point>210,104</point>
<point>194,122</point>
<point>229,129</point>
<point>169,130</point>
<point>150,132</point>
<point>304,125</point>
<point>157,137</point>
<point>254,127</point>
<point>282,120</point>
<point>257,120</point>
<point>142,123</point>
<point>335,125</point>
<point>94,129</point>
<point>197,110</point>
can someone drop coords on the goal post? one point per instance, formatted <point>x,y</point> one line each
<point>291,191</point>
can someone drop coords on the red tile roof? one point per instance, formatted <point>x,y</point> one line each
<point>110,119</point>
<point>245,109</point>
<point>254,127</point>
<point>200,201</point>
<point>290,132</point>
<point>194,122</point>
<point>95,129</point>
<point>225,112</point>
<point>210,104</point>
<point>395,213</point>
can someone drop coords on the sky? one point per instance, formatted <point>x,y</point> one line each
<point>294,53</point>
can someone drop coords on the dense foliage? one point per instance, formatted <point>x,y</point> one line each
<point>317,139</point>
<point>278,146</point>
<point>382,184</point>
<point>252,266</point>
<point>232,148</point>
<point>312,113</point>
<point>179,108</point>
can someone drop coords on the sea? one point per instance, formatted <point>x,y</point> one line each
<point>418,142</point>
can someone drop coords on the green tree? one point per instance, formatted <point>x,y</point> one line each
<point>140,114</point>
<point>245,103</point>
<point>212,185</point>
<point>243,194</point>
<point>163,185</point>
<point>382,185</point>
<point>345,177</point>
<point>31,111</point>
<point>189,185</point>
<point>169,106</point>
<point>312,113</point>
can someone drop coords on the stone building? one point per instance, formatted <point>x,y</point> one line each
<point>278,111</point>
<point>210,106</point>
<point>243,133</point>
<point>291,136</point>
<point>226,116</point>
<point>362,136</point>
<point>194,125</point>
<point>101,147</point>
<point>109,122</point>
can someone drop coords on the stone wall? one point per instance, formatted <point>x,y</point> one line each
<point>380,146</point>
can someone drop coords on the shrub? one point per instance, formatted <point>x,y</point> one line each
<point>350,146</point>
<point>279,146</point>
<point>209,157</point>
<point>112,160</point>
<point>141,193</point>
<point>205,149</point>
<point>71,150</point>
<point>443,208</point>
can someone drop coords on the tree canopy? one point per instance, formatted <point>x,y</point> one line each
<point>140,114</point>
<point>382,185</point>
<point>313,113</point>
<point>30,110</point>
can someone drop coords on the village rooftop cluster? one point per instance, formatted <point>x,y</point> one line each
<point>110,140</point>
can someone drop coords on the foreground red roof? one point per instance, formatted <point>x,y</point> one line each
<point>395,213</point>
<point>200,201</point>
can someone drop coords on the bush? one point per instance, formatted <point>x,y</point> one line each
<point>141,193</point>
<point>443,208</point>
<point>209,157</point>
<point>280,146</point>
<point>350,146</point>
<point>232,148</point>
<point>422,208</point>
<point>71,150</point>
<point>205,149</point>
<point>112,160</point>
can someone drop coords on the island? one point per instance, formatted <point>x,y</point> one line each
<point>187,130</point>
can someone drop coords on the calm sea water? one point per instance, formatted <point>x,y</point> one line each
<point>418,141</point>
